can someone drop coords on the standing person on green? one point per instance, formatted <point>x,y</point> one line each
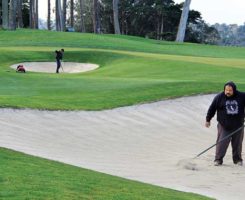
<point>229,105</point>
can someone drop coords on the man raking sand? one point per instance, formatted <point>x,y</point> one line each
<point>229,106</point>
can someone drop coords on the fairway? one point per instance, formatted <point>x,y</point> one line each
<point>132,70</point>
<point>130,117</point>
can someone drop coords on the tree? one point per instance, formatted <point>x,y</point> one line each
<point>5,15</point>
<point>33,14</point>
<point>183,21</point>
<point>36,14</point>
<point>49,15</point>
<point>12,14</point>
<point>1,14</point>
<point>156,19</point>
<point>83,20</point>
<point>202,33</point>
<point>26,13</point>
<point>82,25</point>
<point>64,14</point>
<point>96,17</point>
<point>72,13</point>
<point>20,14</point>
<point>59,18</point>
<point>115,17</point>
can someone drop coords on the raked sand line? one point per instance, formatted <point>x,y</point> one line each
<point>151,143</point>
<point>50,67</point>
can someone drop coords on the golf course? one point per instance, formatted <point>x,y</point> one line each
<point>90,135</point>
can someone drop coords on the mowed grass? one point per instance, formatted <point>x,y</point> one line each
<point>132,70</point>
<point>27,177</point>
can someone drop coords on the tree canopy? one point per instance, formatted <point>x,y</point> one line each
<point>155,19</point>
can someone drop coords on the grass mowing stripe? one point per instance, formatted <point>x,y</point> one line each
<point>228,62</point>
<point>39,38</point>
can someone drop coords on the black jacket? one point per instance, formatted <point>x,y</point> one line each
<point>230,110</point>
<point>59,55</point>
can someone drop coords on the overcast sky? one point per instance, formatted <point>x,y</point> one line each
<point>213,11</point>
<point>220,11</point>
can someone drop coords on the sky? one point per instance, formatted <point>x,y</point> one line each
<point>213,11</point>
<point>43,8</point>
<point>220,11</point>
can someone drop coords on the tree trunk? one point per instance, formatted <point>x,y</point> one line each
<point>36,14</point>
<point>12,14</point>
<point>123,22</point>
<point>183,21</point>
<point>5,12</point>
<point>161,31</point>
<point>1,22</point>
<point>96,18</point>
<point>20,18</point>
<point>31,14</point>
<point>59,18</point>
<point>115,16</point>
<point>83,30</point>
<point>158,30</point>
<point>49,15</point>
<point>60,15</point>
<point>64,14</point>
<point>72,13</point>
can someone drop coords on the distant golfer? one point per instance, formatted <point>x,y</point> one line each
<point>229,105</point>
<point>59,56</point>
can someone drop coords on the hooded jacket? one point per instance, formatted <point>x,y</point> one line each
<point>230,110</point>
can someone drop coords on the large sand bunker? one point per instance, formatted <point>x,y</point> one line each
<point>50,67</point>
<point>152,143</point>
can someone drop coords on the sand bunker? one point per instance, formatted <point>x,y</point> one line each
<point>50,67</point>
<point>152,143</point>
<point>189,164</point>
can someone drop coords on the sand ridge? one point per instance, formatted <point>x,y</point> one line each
<point>153,143</point>
<point>50,67</point>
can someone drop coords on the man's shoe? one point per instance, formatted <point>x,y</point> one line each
<point>217,163</point>
<point>240,163</point>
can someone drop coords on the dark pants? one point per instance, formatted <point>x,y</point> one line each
<point>58,62</point>
<point>236,144</point>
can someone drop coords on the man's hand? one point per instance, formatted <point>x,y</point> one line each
<point>207,124</point>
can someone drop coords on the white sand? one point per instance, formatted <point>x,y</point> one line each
<point>50,67</point>
<point>152,143</point>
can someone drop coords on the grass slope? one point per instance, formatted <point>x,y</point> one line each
<point>132,70</point>
<point>27,177</point>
